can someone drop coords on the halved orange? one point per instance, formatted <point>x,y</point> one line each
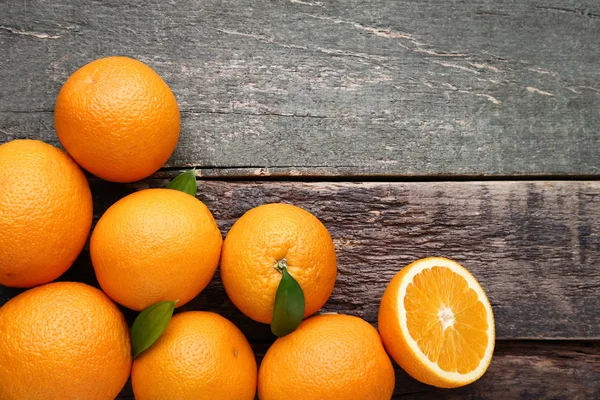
<point>437,323</point>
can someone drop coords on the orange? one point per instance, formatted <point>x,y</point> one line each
<point>437,323</point>
<point>263,237</point>
<point>200,356</point>
<point>153,245</point>
<point>63,340</point>
<point>117,118</point>
<point>328,357</point>
<point>45,212</point>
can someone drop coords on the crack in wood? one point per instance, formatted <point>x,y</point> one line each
<point>265,114</point>
<point>584,12</point>
<point>25,111</point>
<point>492,13</point>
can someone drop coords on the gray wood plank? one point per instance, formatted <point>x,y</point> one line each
<point>431,87</point>
<point>534,246</point>
<point>519,370</point>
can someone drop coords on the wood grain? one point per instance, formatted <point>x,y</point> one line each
<point>519,370</point>
<point>534,246</point>
<point>407,88</point>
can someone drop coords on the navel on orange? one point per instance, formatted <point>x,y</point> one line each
<point>154,245</point>
<point>45,212</point>
<point>63,340</point>
<point>328,357</point>
<point>200,356</point>
<point>117,118</point>
<point>265,236</point>
<point>437,323</point>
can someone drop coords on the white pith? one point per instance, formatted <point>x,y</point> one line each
<point>447,317</point>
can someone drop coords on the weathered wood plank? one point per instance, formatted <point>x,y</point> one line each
<point>519,370</point>
<point>534,246</point>
<point>475,87</point>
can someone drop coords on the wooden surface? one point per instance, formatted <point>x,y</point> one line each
<point>380,87</point>
<point>467,129</point>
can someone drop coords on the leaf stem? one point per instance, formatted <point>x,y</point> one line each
<point>281,265</point>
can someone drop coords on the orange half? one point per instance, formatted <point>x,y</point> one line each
<point>437,323</point>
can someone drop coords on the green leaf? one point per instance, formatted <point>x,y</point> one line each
<point>289,304</point>
<point>149,325</point>
<point>185,182</point>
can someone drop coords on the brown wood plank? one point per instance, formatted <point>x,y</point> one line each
<point>335,87</point>
<point>534,246</point>
<point>519,370</point>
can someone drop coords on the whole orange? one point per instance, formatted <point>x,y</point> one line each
<point>153,245</point>
<point>45,212</point>
<point>200,356</point>
<point>263,237</point>
<point>117,118</point>
<point>63,340</point>
<point>328,357</point>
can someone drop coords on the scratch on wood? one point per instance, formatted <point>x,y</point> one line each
<point>590,88</point>
<point>349,54</point>
<point>461,67</point>
<point>388,33</point>
<point>236,33</point>
<point>584,12</point>
<point>307,3</point>
<point>39,35</point>
<point>435,52</point>
<point>376,31</point>
<point>337,52</point>
<point>541,71</point>
<point>449,86</point>
<point>538,91</point>
<point>490,98</point>
<point>485,66</point>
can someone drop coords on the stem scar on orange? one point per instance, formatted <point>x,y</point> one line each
<point>259,241</point>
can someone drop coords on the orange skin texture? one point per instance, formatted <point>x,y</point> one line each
<point>154,245</point>
<point>200,356</point>
<point>118,119</point>
<point>45,213</point>
<point>262,237</point>
<point>328,357</point>
<point>63,340</point>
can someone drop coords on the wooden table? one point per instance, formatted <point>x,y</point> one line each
<point>468,129</point>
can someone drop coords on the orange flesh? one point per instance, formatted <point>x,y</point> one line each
<point>446,319</point>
